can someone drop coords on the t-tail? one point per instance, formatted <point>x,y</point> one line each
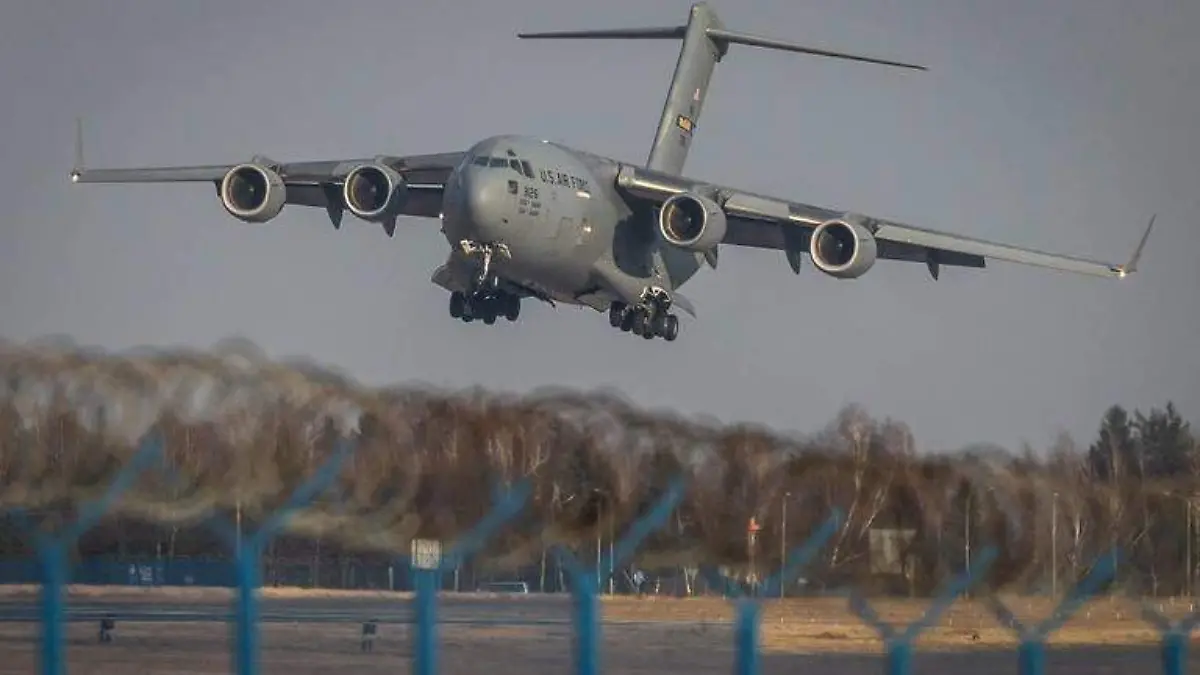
<point>705,43</point>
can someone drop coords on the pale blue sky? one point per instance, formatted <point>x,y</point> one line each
<point>1059,125</point>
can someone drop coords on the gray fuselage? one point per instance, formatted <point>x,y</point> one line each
<point>567,232</point>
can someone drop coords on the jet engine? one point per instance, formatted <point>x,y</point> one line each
<point>843,248</point>
<point>252,193</point>
<point>374,192</point>
<point>691,221</point>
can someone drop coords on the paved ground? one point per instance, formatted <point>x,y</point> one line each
<point>502,636</point>
<point>521,610</point>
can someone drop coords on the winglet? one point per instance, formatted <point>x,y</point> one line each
<point>77,168</point>
<point>1131,266</point>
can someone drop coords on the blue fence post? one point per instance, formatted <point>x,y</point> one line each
<point>248,558</point>
<point>1031,654</point>
<point>749,609</point>
<point>249,578</point>
<point>1175,637</point>
<point>425,630</point>
<point>52,553</point>
<point>585,586</point>
<point>746,631</point>
<point>53,560</point>
<point>1174,651</point>
<point>506,505</point>
<point>899,644</point>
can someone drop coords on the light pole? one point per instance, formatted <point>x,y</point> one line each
<point>967,537</point>
<point>1188,542</point>
<point>611,534</point>
<point>599,557</point>
<point>1054,546</point>
<point>783,543</point>
<point>237,540</point>
<point>967,532</point>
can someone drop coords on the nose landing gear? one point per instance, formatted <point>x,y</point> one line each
<point>486,300</point>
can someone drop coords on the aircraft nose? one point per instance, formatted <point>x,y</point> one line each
<point>485,197</point>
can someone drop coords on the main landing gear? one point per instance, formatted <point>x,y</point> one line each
<point>648,320</point>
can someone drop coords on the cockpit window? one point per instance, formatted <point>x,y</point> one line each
<point>521,166</point>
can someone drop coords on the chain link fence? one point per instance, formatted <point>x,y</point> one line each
<point>430,568</point>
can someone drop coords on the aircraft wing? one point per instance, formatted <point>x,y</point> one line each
<point>768,222</point>
<point>310,183</point>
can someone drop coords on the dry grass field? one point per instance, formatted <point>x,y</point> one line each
<point>816,634</point>
<point>828,624</point>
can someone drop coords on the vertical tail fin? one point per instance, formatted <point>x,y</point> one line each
<point>705,42</point>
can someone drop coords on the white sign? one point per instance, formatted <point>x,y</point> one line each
<point>426,554</point>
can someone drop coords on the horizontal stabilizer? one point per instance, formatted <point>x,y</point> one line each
<point>720,35</point>
<point>663,33</point>
<point>714,31</point>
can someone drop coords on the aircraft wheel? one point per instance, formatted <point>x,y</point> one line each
<point>639,323</point>
<point>659,324</point>
<point>458,304</point>
<point>672,328</point>
<point>627,320</point>
<point>512,307</point>
<point>616,314</point>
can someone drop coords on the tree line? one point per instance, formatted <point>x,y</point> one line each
<point>239,432</point>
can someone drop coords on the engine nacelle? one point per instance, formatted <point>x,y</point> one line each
<point>843,248</point>
<point>374,192</point>
<point>691,221</point>
<point>252,193</point>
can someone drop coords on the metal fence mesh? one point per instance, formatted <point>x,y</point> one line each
<point>431,569</point>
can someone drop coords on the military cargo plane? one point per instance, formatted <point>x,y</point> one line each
<point>529,218</point>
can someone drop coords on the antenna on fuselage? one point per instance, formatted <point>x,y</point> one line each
<point>705,42</point>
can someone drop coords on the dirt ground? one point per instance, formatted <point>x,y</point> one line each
<point>798,635</point>
<point>315,649</point>
<point>828,624</point>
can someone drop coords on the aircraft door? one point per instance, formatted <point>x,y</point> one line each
<point>564,234</point>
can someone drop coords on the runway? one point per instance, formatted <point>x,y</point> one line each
<point>523,610</point>
<point>630,646</point>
